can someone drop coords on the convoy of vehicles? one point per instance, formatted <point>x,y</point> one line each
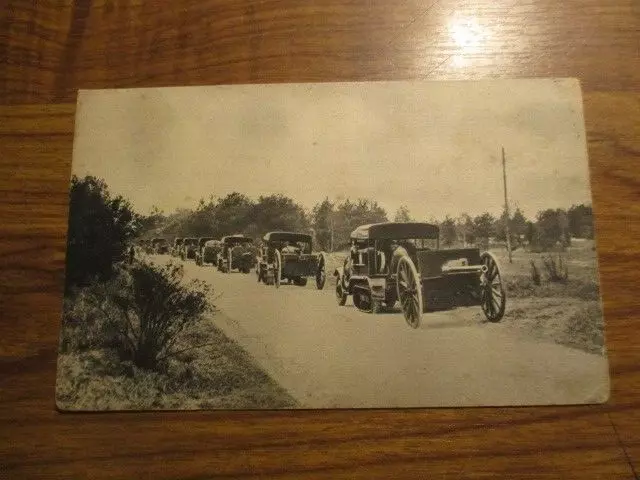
<point>387,264</point>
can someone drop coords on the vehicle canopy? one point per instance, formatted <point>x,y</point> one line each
<point>286,237</point>
<point>395,231</point>
<point>178,241</point>
<point>212,243</point>
<point>203,240</point>
<point>190,241</point>
<point>279,239</point>
<point>235,239</point>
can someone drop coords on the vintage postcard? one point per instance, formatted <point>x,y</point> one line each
<point>338,245</point>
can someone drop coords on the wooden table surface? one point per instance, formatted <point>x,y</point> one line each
<point>49,49</point>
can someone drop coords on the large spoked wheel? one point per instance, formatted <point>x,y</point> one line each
<point>341,295</point>
<point>410,292</point>
<point>321,273</point>
<point>277,269</point>
<point>493,297</point>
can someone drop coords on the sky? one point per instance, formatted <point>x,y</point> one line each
<point>434,147</point>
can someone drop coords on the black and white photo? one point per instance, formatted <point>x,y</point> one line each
<point>337,245</point>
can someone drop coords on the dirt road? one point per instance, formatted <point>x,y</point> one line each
<point>331,356</point>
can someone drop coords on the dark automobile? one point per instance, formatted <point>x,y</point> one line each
<point>210,252</point>
<point>189,247</point>
<point>199,250</point>
<point>177,246</point>
<point>288,256</point>
<point>237,253</point>
<point>403,261</point>
<point>159,246</point>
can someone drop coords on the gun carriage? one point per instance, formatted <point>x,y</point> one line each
<point>403,261</point>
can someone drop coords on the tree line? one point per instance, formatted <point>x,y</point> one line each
<point>331,222</point>
<point>102,226</point>
<point>551,227</point>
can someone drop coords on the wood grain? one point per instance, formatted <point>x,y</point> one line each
<point>50,49</point>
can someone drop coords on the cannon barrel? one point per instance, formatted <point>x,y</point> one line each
<point>451,269</point>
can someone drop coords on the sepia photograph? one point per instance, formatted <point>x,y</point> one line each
<point>331,245</point>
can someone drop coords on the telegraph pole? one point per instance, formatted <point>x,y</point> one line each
<point>506,205</point>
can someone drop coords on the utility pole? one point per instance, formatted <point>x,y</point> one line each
<point>506,206</point>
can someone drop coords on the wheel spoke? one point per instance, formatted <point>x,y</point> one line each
<point>496,305</point>
<point>489,302</point>
<point>404,300</point>
<point>408,312</point>
<point>415,307</point>
<point>403,274</point>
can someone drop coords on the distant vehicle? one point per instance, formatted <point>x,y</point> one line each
<point>177,246</point>
<point>209,253</point>
<point>403,261</point>
<point>159,246</point>
<point>200,247</point>
<point>188,249</point>
<point>288,256</point>
<point>238,253</point>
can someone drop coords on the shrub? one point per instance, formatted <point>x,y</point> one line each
<point>139,314</point>
<point>557,271</point>
<point>155,309</point>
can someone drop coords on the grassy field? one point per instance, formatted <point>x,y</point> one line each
<point>568,313</point>
<point>217,375</point>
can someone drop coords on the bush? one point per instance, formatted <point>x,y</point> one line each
<point>557,271</point>
<point>140,314</point>
<point>155,309</point>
